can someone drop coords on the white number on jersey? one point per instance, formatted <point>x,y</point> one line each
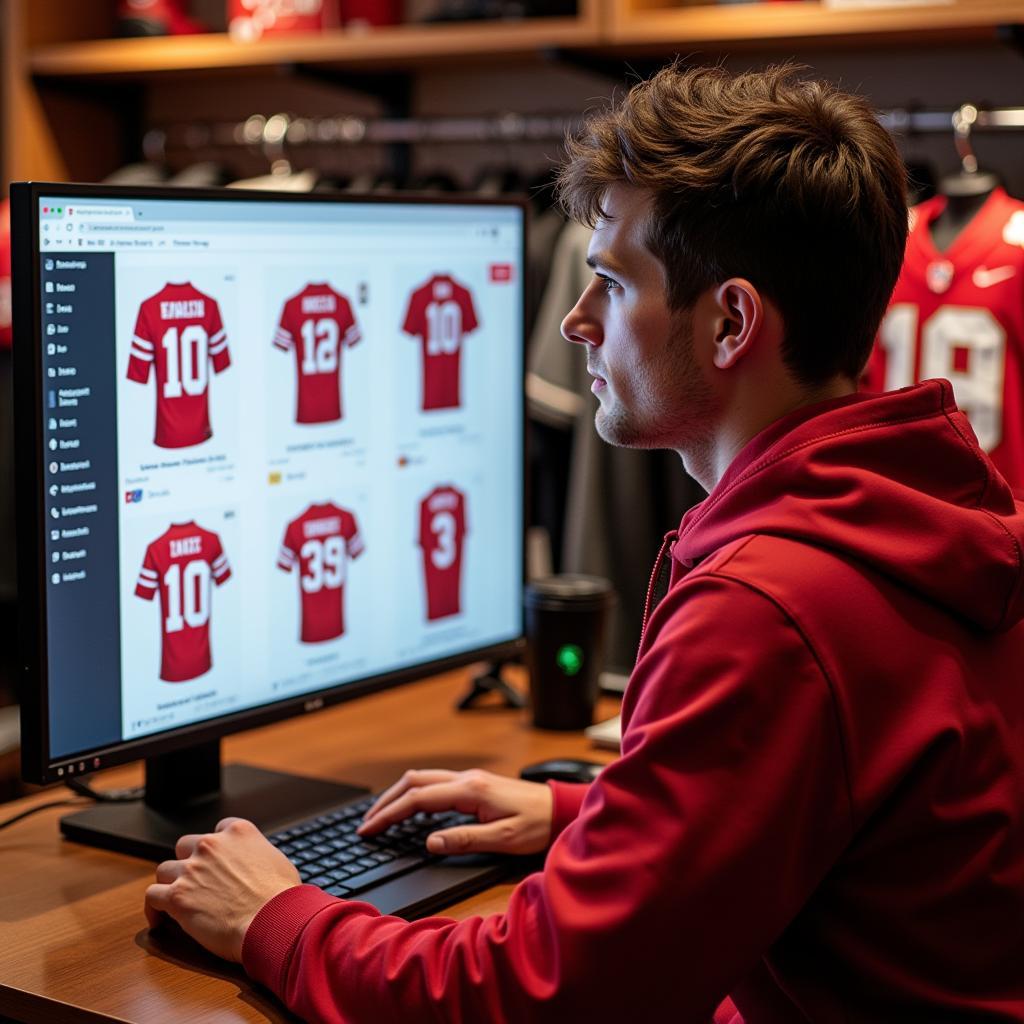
<point>325,564</point>
<point>979,387</point>
<point>319,346</point>
<point>444,327</point>
<point>188,595</point>
<point>442,526</point>
<point>187,360</point>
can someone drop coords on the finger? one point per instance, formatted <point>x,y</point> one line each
<point>186,846</point>
<point>153,916</point>
<point>415,777</point>
<point>158,902</point>
<point>225,823</point>
<point>494,837</point>
<point>442,796</point>
<point>169,870</point>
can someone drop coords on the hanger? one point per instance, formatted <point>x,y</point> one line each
<point>970,182</point>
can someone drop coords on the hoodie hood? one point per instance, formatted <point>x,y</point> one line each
<point>896,481</point>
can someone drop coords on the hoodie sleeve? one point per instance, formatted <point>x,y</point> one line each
<point>689,856</point>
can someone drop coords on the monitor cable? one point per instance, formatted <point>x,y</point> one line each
<point>108,796</point>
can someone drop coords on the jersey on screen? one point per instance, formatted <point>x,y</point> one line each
<point>319,544</point>
<point>317,324</point>
<point>959,314</point>
<point>180,565</point>
<point>179,331</point>
<point>440,314</point>
<point>442,529</point>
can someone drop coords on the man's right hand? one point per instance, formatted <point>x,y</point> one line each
<point>513,816</point>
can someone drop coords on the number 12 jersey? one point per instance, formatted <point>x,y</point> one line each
<point>179,331</point>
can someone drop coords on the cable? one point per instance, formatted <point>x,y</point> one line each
<point>106,796</point>
<point>41,807</point>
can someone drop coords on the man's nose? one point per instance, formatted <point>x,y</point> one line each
<point>579,327</point>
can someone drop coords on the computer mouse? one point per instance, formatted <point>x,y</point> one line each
<point>562,769</point>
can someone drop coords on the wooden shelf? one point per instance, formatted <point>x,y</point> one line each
<point>657,26</point>
<point>401,46</point>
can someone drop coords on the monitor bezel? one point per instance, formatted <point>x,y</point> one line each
<point>38,766</point>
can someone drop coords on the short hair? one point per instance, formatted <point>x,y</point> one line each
<point>790,183</point>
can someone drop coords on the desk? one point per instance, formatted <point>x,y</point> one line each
<point>73,940</point>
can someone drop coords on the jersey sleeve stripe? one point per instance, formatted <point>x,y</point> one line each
<point>220,561</point>
<point>282,344</point>
<point>220,346</point>
<point>142,343</point>
<point>147,584</point>
<point>149,574</point>
<point>146,357</point>
<point>352,335</point>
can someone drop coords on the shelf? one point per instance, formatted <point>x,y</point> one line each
<point>656,26</point>
<point>399,47</point>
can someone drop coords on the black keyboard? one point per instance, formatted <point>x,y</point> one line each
<point>329,854</point>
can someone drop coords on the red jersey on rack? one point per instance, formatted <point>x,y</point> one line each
<point>442,529</point>
<point>319,544</point>
<point>441,314</point>
<point>317,323</point>
<point>959,314</point>
<point>179,330</point>
<point>180,564</point>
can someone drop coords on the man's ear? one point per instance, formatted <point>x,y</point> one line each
<point>740,318</point>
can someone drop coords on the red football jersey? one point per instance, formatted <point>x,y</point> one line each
<point>441,313</point>
<point>442,528</point>
<point>180,564</point>
<point>959,314</point>
<point>180,331</point>
<point>320,542</point>
<point>317,323</point>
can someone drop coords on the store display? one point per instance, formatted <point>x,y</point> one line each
<point>180,565</point>
<point>179,330</point>
<point>318,544</point>
<point>442,530</point>
<point>156,18</point>
<point>249,20</point>
<point>317,323</point>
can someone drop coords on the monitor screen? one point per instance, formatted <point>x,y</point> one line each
<point>277,454</point>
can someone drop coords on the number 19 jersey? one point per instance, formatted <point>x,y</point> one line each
<point>179,331</point>
<point>318,324</point>
<point>959,314</point>
<point>179,565</point>
<point>319,544</point>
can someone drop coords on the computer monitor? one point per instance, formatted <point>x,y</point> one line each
<point>269,457</point>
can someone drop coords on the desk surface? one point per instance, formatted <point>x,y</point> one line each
<point>73,940</point>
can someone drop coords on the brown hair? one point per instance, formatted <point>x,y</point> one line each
<point>789,183</point>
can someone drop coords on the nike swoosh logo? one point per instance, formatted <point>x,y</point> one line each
<point>985,278</point>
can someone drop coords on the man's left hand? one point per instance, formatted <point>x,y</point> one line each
<point>218,884</point>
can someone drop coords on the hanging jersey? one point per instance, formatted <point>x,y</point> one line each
<point>318,324</point>
<point>441,314</point>
<point>319,544</point>
<point>442,529</point>
<point>179,332</point>
<point>959,314</point>
<point>179,565</point>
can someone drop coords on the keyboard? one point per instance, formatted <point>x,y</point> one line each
<point>329,854</point>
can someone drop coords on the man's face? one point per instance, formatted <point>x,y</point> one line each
<point>652,390</point>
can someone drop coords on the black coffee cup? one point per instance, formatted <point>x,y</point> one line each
<point>566,632</point>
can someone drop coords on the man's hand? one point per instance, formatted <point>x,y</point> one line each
<point>218,885</point>
<point>514,816</point>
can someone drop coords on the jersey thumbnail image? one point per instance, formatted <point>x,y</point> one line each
<point>180,565</point>
<point>317,324</point>
<point>179,332</point>
<point>441,313</point>
<point>318,545</point>
<point>443,527</point>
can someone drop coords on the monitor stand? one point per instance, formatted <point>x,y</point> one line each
<point>189,791</point>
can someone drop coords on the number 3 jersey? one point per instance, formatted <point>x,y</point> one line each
<point>179,331</point>
<point>959,314</point>
<point>440,313</point>
<point>319,544</point>
<point>180,564</point>
<point>442,529</point>
<point>318,324</point>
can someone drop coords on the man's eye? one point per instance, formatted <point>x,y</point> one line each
<point>607,283</point>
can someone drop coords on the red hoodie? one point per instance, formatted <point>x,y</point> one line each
<point>819,807</point>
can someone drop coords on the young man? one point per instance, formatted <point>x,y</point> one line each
<point>819,807</point>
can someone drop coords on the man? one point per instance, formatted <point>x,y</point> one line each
<point>819,807</point>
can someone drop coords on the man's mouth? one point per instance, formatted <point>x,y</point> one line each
<point>599,382</point>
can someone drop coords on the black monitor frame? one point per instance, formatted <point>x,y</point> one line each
<point>38,766</point>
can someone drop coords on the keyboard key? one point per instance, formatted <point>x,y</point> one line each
<point>382,871</point>
<point>338,890</point>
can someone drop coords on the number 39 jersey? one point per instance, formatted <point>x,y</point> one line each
<point>319,544</point>
<point>318,324</point>
<point>959,314</point>
<point>179,565</point>
<point>179,331</point>
<point>441,313</point>
<point>442,529</point>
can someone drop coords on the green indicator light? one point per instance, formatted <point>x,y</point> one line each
<point>569,659</point>
<point>60,209</point>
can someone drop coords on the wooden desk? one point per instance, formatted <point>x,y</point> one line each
<point>73,940</point>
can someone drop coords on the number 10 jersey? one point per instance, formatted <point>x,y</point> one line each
<point>179,331</point>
